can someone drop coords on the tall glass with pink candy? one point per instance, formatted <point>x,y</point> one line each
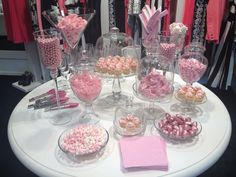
<point>86,85</point>
<point>48,42</point>
<point>167,46</point>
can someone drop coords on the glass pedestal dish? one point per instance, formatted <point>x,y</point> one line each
<point>116,59</point>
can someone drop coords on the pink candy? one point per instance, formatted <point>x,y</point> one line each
<point>71,26</point>
<point>130,123</point>
<point>191,70</point>
<point>116,65</point>
<point>168,51</point>
<point>84,139</point>
<point>50,52</point>
<point>178,126</point>
<point>154,86</point>
<point>86,86</point>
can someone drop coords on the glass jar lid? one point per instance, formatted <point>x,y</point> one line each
<point>112,43</point>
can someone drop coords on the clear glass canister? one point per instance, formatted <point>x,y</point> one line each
<point>155,76</point>
<point>111,44</point>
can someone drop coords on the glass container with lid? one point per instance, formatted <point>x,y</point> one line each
<point>129,119</point>
<point>112,43</point>
<point>154,81</point>
<point>116,57</point>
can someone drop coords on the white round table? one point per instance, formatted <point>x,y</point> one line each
<point>34,140</point>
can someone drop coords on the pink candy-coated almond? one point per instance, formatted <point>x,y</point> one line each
<point>178,126</point>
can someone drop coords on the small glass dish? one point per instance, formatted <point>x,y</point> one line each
<point>129,119</point>
<point>191,95</point>
<point>83,140</point>
<point>177,127</point>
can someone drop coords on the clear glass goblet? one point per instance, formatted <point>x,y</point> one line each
<point>86,85</point>
<point>191,67</point>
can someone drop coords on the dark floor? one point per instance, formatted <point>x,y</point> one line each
<point>11,167</point>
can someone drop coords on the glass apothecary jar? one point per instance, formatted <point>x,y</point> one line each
<point>129,119</point>
<point>195,47</point>
<point>155,76</point>
<point>111,44</point>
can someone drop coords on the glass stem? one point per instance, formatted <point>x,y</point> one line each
<point>116,88</point>
<point>53,74</point>
<point>88,108</point>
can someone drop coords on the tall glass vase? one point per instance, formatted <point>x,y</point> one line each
<point>48,42</point>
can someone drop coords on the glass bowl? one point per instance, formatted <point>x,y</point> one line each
<point>129,120</point>
<point>83,140</point>
<point>191,95</point>
<point>177,127</point>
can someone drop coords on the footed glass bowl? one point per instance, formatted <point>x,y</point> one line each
<point>177,127</point>
<point>83,140</point>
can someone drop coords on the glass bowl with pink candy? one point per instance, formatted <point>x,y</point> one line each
<point>83,140</point>
<point>192,66</point>
<point>86,85</point>
<point>177,127</point>
<point>129,119</point>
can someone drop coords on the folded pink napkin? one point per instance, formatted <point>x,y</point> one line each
<point>146,152</point>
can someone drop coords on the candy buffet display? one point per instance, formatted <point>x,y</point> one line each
<point>83,140</point>
<point>177,127</point>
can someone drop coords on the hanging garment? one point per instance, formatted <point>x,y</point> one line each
<point>166,22</point>
<point>93,30</point>
<point>199,21</point>
<point>219,74</point>
<point>17,21</point>
<point>188,18</point>
<point>215,14</point>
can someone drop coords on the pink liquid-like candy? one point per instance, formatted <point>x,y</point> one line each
<point>50,52</point>
<point>86,86</point>
<point>191,70</point>
<point>71,26</point>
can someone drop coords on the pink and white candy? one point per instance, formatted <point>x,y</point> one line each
<point>71,26</point>
<point>154,85</point>
<point>84,139</point>
<point>191,70</point>
<point>50,52</point>
<point>168,51</point>
<point>178,126</point>
<point>86,85</point>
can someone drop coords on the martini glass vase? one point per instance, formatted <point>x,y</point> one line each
<point>71,23</point>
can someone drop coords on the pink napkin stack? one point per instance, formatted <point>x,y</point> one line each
<point>148,152</point>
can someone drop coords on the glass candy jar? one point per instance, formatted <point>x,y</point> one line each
<point>195,47</point>
<point>154,82</point>
<point>129,119</point>
<point>111,44</point>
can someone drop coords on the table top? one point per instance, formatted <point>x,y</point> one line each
<point>34,140</point>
